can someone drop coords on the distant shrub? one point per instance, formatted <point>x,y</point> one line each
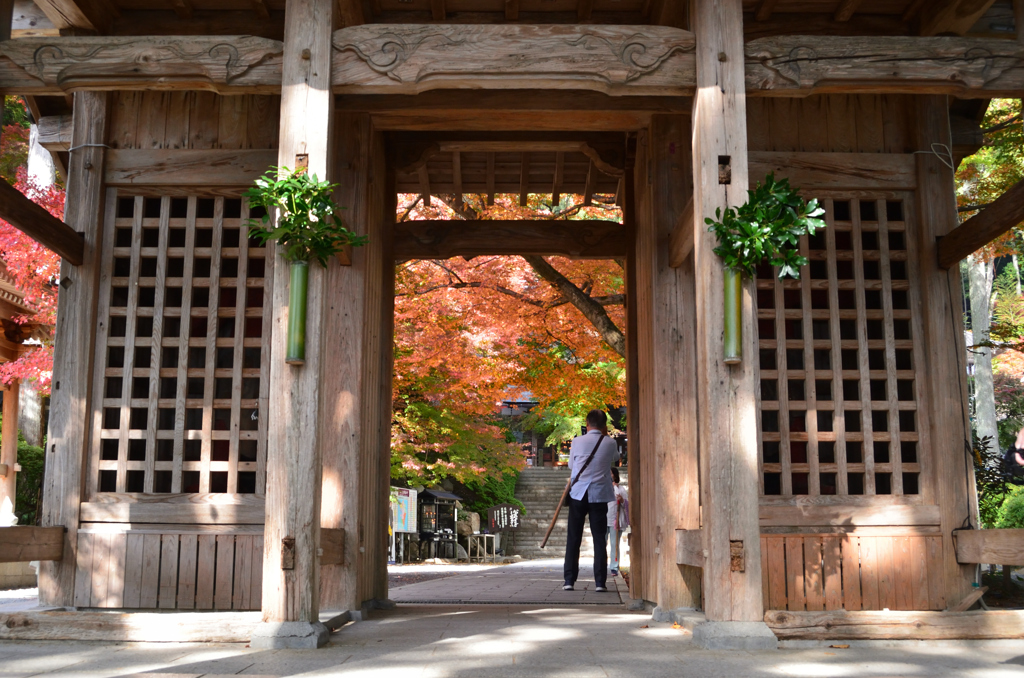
<point>1011,513</point>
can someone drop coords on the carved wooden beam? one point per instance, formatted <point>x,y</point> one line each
<point>999,217</point>
<point>445,239</point>
<point>415,58</point>
<point>237,64</point>
<point>966,67</point>
<point>40,225</point>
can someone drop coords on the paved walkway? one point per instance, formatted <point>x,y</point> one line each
<point>531,582</point>
<point>449,641</point>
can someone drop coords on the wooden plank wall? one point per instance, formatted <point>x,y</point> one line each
<point>849,572</point>
<point>194,120</point>
<point>833,123</point>
<point>170,567</point>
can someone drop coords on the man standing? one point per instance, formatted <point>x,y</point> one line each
<point>590,460</point>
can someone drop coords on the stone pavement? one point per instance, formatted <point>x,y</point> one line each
<point>528,582</point>
<point>467,641</point>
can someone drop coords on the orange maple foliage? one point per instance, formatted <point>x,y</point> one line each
<point>472,333</point>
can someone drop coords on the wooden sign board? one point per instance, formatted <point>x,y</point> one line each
<point>503,518</point>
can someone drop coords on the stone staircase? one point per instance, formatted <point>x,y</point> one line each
<point>539,489</point>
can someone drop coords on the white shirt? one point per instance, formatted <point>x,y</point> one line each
<point>616,510</point>
<point>598,476</point>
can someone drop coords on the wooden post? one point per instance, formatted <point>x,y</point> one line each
<point>726,393</point>
<point>944,371</point>
<point>70,407</point>
<point>9,445</point>
<point>291,569</point>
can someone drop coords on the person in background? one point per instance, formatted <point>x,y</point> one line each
<point>591,456</point>
<point>618,521</point>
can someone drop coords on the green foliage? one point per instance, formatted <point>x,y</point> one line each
<point>1011,513</point>
<point>491,492</point>
<point>768,225</point>
<point>1008,314</point>
<point>15,112</point>
<point>308,224</point>
<point>988,478</point>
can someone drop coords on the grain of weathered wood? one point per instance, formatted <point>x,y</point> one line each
<point>40,225</point>
<point>851,573</point>
<point>187,564</point>
<point>168,591</point>
<point>193,168</point>
<point>936,583</point>
<point>830,171</point>
<point>23,543</point>
<point>225,570</point>
<point>70,405</point>
<point>249,513</point>
<point>777,573</point>
<point>919,574</point>
<point>869,573</point>
<point>245,561</point>
<point>149,583</point>
<point>965,67</point>
<point>1002,546</point>
<point>134,552</point>
<point>55,132</point>
<point>896,625</point>
<point>82,594</point>
<point>157,627</point>
<point>294,463</point>
<point>690,548</point>
<point>795,573</point>
<point>206,569</point>
<point>903,573</point>
<point>332,545</point>
<point>445,239</point>
<point>612,59</point>
<point>680,242</point>
<point>814,584</point>
<point>832,572</point>
<point>238,65</point>
<point>851,514</point>
<point>727,417</point>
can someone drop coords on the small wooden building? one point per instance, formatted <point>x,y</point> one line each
<point>194,469</point>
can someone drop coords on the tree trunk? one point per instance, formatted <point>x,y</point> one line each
<point>980,274</point>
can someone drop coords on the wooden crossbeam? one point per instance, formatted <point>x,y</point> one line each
<point>261,9</point>
<point>1005,546</point>
<point>999,217</point>
<point>437,10</point>
<point>55,133</point>
<point>92,15</point>
<point>183,8</point>
<point>511,10</point>
<point>895,625</point>
<point>24,543</point>
<point>424,176</point>
<point>846,9</point>
<point>584,10</point>
<point>445,239</point>
<point>40,225</point>
<point>588,191</point>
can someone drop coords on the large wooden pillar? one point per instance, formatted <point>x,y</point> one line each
<point>75,333</point>
<point>726,393</point>
<point>942,353</point>
<point>291,568</point>
<point>9,445</point>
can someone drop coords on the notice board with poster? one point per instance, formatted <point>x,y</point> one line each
<point>403,509</point>
<point>503,518</point>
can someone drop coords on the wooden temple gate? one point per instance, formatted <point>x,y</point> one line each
<point>194,469</point>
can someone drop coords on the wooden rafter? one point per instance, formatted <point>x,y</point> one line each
<point>442,239</point>
<point>524,179</point>
<point>556,187</point>
<point>999,217</point>
<point>951,16</point>
<point>40,225</point>
<point>846,9</point>
<point>765,9</point>
<point>261,9</point>
<point>912,10</point>
<point>89,15</point>
<point>588,192</point>
<point>511,10</point>
<point>437,10</point>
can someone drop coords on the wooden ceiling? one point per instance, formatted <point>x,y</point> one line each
<point>763,17</point>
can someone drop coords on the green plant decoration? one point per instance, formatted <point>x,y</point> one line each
<point>767,226</point>
<point>307,228</point>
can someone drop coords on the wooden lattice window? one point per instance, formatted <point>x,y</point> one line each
<point>181,381</point>
<point>839,391</point>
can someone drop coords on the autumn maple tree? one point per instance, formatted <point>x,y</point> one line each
<point>471,333</point>
<point>33,268</point>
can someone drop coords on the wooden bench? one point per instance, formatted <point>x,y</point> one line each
<point>999,547</point>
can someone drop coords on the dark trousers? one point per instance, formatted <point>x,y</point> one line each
<point>579,509</point>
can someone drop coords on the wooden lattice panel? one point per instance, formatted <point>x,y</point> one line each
<point>181,381</point>
<point>839,393</point>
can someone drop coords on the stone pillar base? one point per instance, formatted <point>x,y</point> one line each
<point>289,636</point>
<point>734,635</point>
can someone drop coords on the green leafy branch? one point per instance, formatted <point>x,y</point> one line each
<point>768,225</point>
<point>308,225</point>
